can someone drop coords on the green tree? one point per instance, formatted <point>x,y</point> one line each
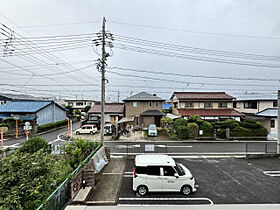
<point>180,121</point>
<point>167,121</point>
<point>34,144</point>
<point>182,132</point>
<point>77,112</point>
<point>87,108</point>
<point>69,109</point>
<point>193,129</point>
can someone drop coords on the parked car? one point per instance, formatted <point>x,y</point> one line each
<point>109,129</point>
<point>92,122</point>
<point>160,173</point>
<point>152,131</point>
<point>86,129</point>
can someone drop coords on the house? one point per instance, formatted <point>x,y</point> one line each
<point>113,112</point>
<point>78,104</point>
<point>143,109</point>
<point>5,98</point>
<point>268,118</point>
<point>38,112</point>
<point>253,105</point>
<point>211,106</point>
<point>260,108</point>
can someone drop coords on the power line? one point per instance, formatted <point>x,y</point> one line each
<point>189,75</point>
<point>196,32</point>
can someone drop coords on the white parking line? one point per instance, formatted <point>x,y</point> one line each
<point>166,199</point>
<point>272,173</point>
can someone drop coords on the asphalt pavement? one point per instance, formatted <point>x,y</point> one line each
<point>49,136</point>
<point>219,180</point>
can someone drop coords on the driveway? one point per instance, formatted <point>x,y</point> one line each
<point>220,180</point>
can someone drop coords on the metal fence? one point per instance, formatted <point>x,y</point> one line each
<point>61,195</point>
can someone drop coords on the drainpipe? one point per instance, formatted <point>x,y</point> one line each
<point>278,123</point>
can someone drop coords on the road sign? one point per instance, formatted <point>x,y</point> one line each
<point>26,133</point>
<point>27,126</point>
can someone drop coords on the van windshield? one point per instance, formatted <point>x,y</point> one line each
<point>180,170</point>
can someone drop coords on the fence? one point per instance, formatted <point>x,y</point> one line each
<point>62,194</point>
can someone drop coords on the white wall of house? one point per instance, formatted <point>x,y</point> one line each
<point>261,105</point>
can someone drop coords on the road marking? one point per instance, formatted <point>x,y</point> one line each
<point>128,146</point>
<point>164,146</point>
<point>112,173</point>
<point>128,176</point>
<point>191,153</point>
<point>128,172</point>
<point>272,173</point>
<point>166,199</point>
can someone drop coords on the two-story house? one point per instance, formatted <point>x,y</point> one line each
<point>144,109</point>
<point>79,104</point>
<point>262,109</point>
<point>210,106</point>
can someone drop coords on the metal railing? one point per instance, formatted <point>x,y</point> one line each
<point>61,195</point>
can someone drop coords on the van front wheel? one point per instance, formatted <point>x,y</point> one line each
<point>142,190</point>
<point>186,190</point>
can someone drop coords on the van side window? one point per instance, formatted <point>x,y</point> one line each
<point>168,171</point>
<point>153,170</point>
<point>141,170</point>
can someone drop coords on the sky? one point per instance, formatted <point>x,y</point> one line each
<point>177,38</point>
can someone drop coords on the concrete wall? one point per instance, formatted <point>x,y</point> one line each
<point>142,106</point>
<point>267,122</point>
<point>50,114</point>
<point>261,105</point>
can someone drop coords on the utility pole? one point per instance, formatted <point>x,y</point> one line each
<point>103,80</point>
<point>278,125</point>
<point>104,39</point>
<point>118,96</point>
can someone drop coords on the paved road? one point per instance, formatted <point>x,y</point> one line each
<point>192,148</point>
<point>49,136</point>
<point>220,180</point>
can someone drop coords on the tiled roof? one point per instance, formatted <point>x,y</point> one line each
<point>210,112</point>
<point>23,106</point>
<point>143,96</point>
<point>109,108</point>
<point>269,112</point>
<point>202,95</point>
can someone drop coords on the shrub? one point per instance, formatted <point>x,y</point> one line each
<point>50,126</point>
<point>221,133</point>
<point>193,118</point>
<point>33,145</point>
<point>182,132</point>
<point>179,122</point>
<point>228,123</point>
<point>167,121</point>
<point>247,132</point>
<point>208,129</point>
<point>193,129</point>
<point>249,123</point>
<point>172,136</point>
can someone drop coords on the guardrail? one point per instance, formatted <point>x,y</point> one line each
<point>61,195</point>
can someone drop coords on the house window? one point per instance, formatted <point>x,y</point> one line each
<point>134,104</point>
<point>175,105</point>
<point>208,104</point>
<point>189,104</point>
<point>182,105</point>
<point>79,103</point>
<point>250,105</point>
<point>223,105</point>
<point>150,103</point>
<point>156,103</point>
<point>275,104</point>
<point>137,120</point>
<point>234,104</point>
<point>272,123</point>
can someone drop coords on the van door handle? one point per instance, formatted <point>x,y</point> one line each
<point>170,181</point>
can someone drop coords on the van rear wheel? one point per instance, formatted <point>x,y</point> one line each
<point>186,190</point>
<point>78,133</point>
<point>142,190</point>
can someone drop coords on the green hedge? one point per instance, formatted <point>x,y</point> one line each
<point>182,132</point>
<point>179,122</point>
<point>247,132</point>
<point>50,126</point>
<point>193,129</point>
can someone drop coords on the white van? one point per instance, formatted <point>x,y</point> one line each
<point>86,129</point>
<point>160,173</point>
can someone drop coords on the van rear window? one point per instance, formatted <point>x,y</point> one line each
<point>141,170</point>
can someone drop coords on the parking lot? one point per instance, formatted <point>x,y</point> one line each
<point>220,181</point>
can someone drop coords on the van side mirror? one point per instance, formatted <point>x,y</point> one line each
<point>176,175</point>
